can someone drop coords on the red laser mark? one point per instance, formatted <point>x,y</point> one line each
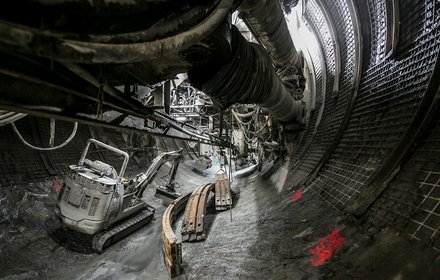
<point>56,185</point>
<point>326,247</point>
<point>297,195</point>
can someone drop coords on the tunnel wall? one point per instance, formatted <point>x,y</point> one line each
<point>319,143</point>
<point>365,153</point>
<point>335,102</point>
<point>411,203</point>
<point>21,165</point>
<point>322,59</point>
<point>315,57</point>
<point>395,100</point>
<point>332,25</point>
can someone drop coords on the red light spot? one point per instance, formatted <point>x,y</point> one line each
<point>297,195</point>
<point>56,184</point>
<point>326,247</point>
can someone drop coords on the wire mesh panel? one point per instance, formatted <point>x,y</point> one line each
<point>378,30</point>
<point>389,96</point>
<point>411,203</point>
<point>336,102</point>
<point>316,149</point>
<point>316,60</point>
<point>19,163</point>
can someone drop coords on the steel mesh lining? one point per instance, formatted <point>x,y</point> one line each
<point>411,203</point>
<point>309,133</point>
<point>335,103</point>
<point>378,30</point>
<point>390,92</point>
<point>19,164</point>
<point>315,18</point>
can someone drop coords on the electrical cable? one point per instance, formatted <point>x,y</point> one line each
<point>241,124</point>
<point>230,150</point>
<point>75,127</point>
<point>7,117</point>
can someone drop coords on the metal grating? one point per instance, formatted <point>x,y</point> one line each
<point>428,219</point>
<point>411,203</point>
<point>19,164</point>
<point>335,103</point>
<point>378,30</point>
<point>314,118</point>
<point>388,98</point>
<point>315,18</point>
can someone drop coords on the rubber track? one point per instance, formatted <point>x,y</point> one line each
<point>122,229</point>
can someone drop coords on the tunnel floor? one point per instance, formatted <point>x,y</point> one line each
<point>275,233</point>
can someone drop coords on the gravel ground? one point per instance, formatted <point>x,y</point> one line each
<point>270,237</point>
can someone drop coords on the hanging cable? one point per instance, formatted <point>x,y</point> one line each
<point>75,127</point>
<point>7,117</point>
<point>192,145</point>
<point>248,139</point>
<point>230,149</point>
<point>52,133</point>
<point>99,110</point>
<point>230,164</point>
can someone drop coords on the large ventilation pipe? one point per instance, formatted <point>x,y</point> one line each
<point>266,21</point>
<point>250,78</point>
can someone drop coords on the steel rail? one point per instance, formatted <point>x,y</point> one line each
<point>171,245</point>
<point>193,224</point>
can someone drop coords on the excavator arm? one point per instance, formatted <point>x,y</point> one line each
<point>146,178</point>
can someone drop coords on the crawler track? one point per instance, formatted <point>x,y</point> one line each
<point>105,238</point>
